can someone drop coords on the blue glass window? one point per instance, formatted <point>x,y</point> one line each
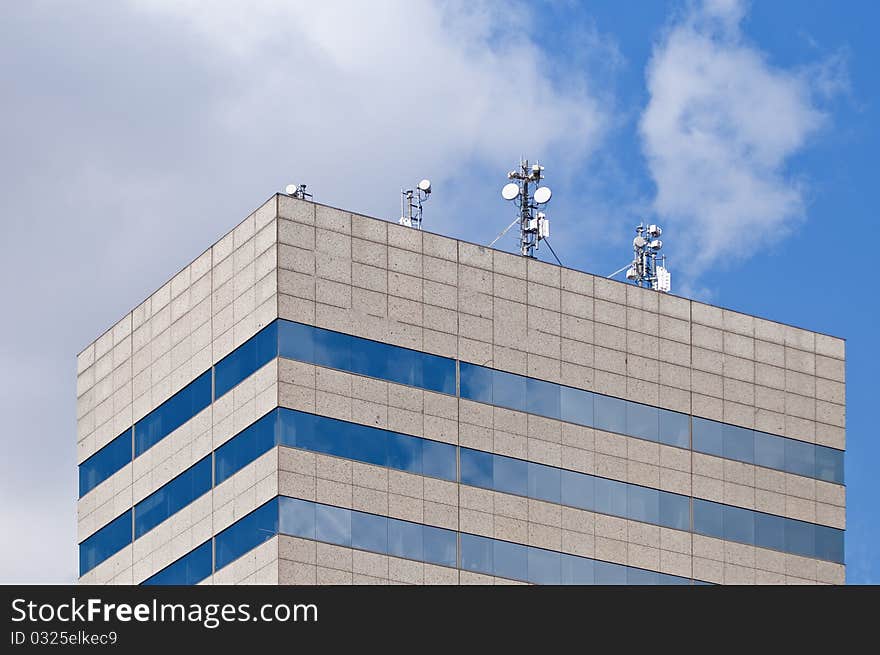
<point>609,574</point>
<point>543,398</point>
<point>510,475</point>
<point>333,525</point>
<point>708,518</point>
<point>829,464</point>
<point>800,457</point>
<point>369,532</point>
<point>800,538</point>
<point>610,414</point>
<point>476,468</point>
<point>641,577</point>
<point>405,539</point>
<point>577,406</point>
<point>173,413</point>
<point>829,543</point>
<point>245,447</point>
<point>769,531</point>
<point>770,451</point>
<point>577,570</point>
<point>642,421</point>
<point>296,517</point>
<point>739,443</point>
<point>438,459</point>
<point>297,427</point>
<point>675,511</point>
<point>739,524</point>
<point>475,382</point>
<point>173,496</point>
<point>105,463</point>
<point>643,504</point>
<point>578,490</point>
<point>610,497</point>
<point>438,373</point>
<point>247,533</point>
<point>296,341</point>
<point>404,453</point>
<point>545,482</point>
<point>545,566</point>
<point>245,360</point>
<point>675,429</point>
<point>476,554</point>
<point>708,436</point>
<point>509,390</point>
<point>333,349</point>
<point>509,560</point>
<point>110,539</point>
<point>440,546</point>
<point>190,569</point>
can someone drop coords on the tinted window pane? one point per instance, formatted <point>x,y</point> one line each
<point>543,398</point>
<point>405,539</point>
<point>577,570</point>
<point>246,359</point>
<point>365,444</point>
<point>610,497</point>
<point>545,566</point>
<point>511,475</point>
<point>296,341</point>
<point>739,443</point>
<point>475,382</point>
<point>245,447</point>
<point>675,429</point>
<point>380,360</point>
<point>510,560</point>
<point>829,464</point>
<point>800,457</point>
<point>404,367</point>
<point>296,517</point>
<point>331,437</point>
<point>675,511</point>
<point>544,482</point>
<point>578,490</point>
<point>642,421</point>
<point>438,373</point>
<point>190,569</point>
<point>110,539</point>
<point>333,525</point>
<point>476,554</point>
<point>829,544</point>
<point>800,538</point>
<point>769,531</point>
<point>246,534</point>
<point>369,532</point>
<point>105,462</point>
<point>708,518</point>
<point>476,468</point>
<point>769,451</point>
<point>610,414</point>
<point>708,436</point>
<point>508,390</point>
<point>643,504</point>
<point>440,546</point>
<point>576,406</point>
<point>641,577</point>
<point>608,573</point>
<point>739,525</point>
<point>173,413</point>
<point>438,459</point>
<point>404,453</point>
<point>332,349</point>
<point>172,497</point>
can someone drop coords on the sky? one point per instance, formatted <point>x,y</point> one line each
<point>134,134</point>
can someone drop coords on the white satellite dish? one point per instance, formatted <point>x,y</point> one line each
<point>542,195</point>
<point>291,189</point>
<point>639,241</point>
<point>425,185</point>
<point>656,244</point>
<point>510,191</point>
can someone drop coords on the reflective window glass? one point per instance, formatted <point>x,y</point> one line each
<point>829,464</point>
<point>769,451</point>
<point>769,531</point>
<point>173,413</point>
<point>173,496</point>
<point>829,544</point>
<point>708,518</point>
<point>739,443</point>
<point>296,517</point>
<point>708,436</point>
<point>476,468</point>
<point>244,447</point>
<point>509,390</point>
<point>190,569</point>
<point>545,566</point>
<point>510,560</point>
<point>246,359</point>
<point>438,459</point>
<point>404,452</point>
<point>543,398</point>
<point>405,539</point>
<point>800,538</point>
<point>438,373</point>
<point>331,437</point>
<point>544,482</point>
<point>439,545</point>
<point>675,511</point>
<point>609,574</point>
<point>366,444</point>
<point>475,382</point>
<point>577,570</point>
<point>643,504</point>
<point>332,349</point>
<point>675,428</point>
<point>333,525</point>
<point>642,577</point>
<point>110,539</point>
<point>296,341</point>
<point>511,475</point>
<point>246,534</point>
<point>369,532</point>
<point>642,421</point>
<point>379,360</point>
<point>739,525</point>
<point>610,414</point>
<point>105,462</point>
<point>610,497</point>
<point>800,457</point>
<point>576,406</point>
<point>578,490</point>
<point>476,554</point>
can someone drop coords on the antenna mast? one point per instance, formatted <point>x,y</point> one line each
<point>411,204</point>
<point>644,270</point>
<point>534,226</point>
<point>297,191</point>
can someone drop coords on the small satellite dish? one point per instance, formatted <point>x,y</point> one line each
<point>510,191</point>
<point>639,241</point>
<point>542,195</point>
<point>291,189</point>
<point>656,244</point>
<point>425,185</point>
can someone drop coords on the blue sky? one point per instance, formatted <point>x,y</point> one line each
<point>138,132</point>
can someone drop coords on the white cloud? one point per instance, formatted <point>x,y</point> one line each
<point>719,131</point>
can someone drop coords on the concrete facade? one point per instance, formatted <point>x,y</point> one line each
<point>317,265</point>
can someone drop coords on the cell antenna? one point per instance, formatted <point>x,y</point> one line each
<point>534,226</point>
<point>297,191</point>
<point>644,270</point>
<point>411,204</point>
